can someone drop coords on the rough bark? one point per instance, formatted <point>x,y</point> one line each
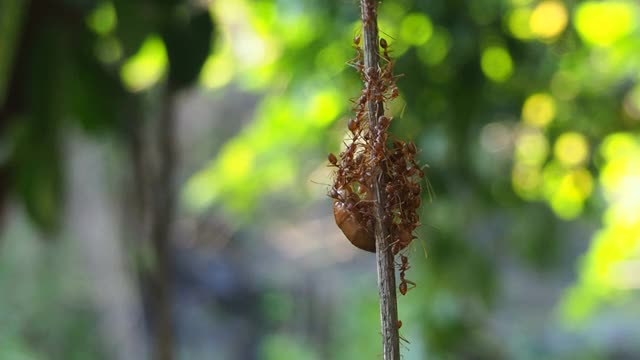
<point>384,255</point>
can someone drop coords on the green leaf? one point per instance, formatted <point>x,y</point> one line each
<point>35,161</point>
<point>11,16</point>
<point>37,175</point>
<point>94,93</point>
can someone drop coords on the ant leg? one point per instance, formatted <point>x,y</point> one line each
<point>410,283</point>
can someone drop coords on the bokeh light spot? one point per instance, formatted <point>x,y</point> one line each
<point>567,203</point>
<point>332,59</point>
<point>201,189</point>
<point>603,23</point>
<point>217,71</point>
<point>564,85</point>
<point>620,175</point>
<point>616,144</point>
<point>571,149</point>
<point>147,66</point>
<point>495,137</point>
<point>298,31</point>
<point>582,179</point>
<point>436,49</point>
<point>566,190</point>
<point>526,181</point>
<point>548,19</point>
<point>323,107</point>
<point>496,63</point>
<point>236,161</point>
<point>416,29</point>
<point>532,147</point>
<point>518,23</point>
<point>539,110</point>
<point>103,19</point>
<point>612,261</point>
<point>108,49</point>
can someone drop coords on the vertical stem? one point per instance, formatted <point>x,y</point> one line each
<point>161,231</point>
<point>384,255</point>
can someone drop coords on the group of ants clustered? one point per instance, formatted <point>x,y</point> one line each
<point>370,156</point>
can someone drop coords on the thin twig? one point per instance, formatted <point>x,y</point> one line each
<point>384,254</point>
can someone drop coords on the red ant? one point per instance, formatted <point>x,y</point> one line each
<point>384,45</point>
<point>333,160</point>
<point>368,150</point>
<point>400,336</point>
<point>404,283</point>
<point>394,92</point>
<point>353,125</point>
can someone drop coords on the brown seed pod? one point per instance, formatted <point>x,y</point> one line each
<point>359,236</point>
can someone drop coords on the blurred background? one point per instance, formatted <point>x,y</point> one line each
<point>163,179</point>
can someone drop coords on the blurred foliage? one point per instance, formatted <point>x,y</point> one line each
<point>64,65</point>
<point>61,68</point>
<point>527,113</point>
<point>44,300</point>
<point>532,88</point>
<point>610,269</point>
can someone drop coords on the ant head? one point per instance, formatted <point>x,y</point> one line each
<point>332,159</point>
<point>383,43</point>
<point>353,125</point>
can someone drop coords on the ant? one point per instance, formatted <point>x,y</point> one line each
<point>333,160</point>
<point>369,153</point>
<point>404,283</point>
<point>400,336</point>
<point>353,125</point>
<point>403,239</point>
<point>384,45</point>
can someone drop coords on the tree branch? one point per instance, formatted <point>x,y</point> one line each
<point>162,228</point>
<point>384,254</point>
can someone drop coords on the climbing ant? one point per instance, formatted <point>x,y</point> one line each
<point>404,283</point>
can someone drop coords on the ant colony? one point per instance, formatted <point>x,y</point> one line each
<point>371,156</point>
